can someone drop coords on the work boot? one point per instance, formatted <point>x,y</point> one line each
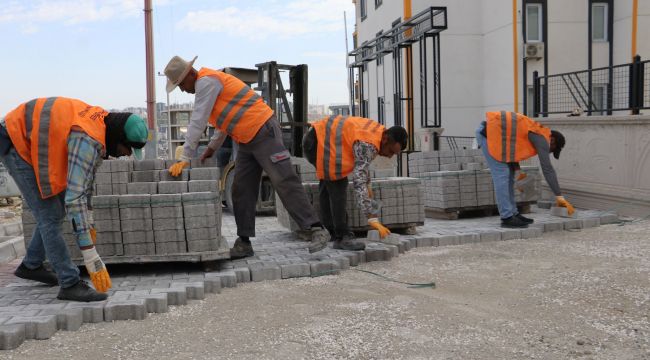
<point>81,292</point>
<point>525,219</point>
<point>513,222</point>
<point>348,243</point>
<point>241,249</point>
<point>40,274</point>
<point>319,238</point>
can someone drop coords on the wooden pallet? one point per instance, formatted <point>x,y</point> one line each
<point>472,211</point>
<point>193,257</point>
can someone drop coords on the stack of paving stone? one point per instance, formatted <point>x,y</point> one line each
<point>401,201</point>
<point>307,172</point>
<point>139,209</point>
<point>460,180</point>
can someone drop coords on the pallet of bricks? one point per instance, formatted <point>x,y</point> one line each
<point>402,206</point>
<point>458,182</point>
<point>142,214</point>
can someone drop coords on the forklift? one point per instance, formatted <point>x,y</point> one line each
<point>291,115</point>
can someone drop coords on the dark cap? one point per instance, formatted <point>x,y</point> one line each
<point>559,143</point>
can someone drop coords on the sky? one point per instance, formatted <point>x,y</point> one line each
<point>94,50</point>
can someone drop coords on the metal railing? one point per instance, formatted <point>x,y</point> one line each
<point>599,91</point>
<point>456,142</point>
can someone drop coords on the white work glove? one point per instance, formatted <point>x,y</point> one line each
<point>97,270</point>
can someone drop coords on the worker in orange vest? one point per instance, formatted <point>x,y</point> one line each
<point>234,109</point>
<point>339,146</point>
<point>52,148</point>
<point>508,138</point>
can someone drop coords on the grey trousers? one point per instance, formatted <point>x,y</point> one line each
<point>267,153</point>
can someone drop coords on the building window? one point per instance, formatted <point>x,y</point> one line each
<point>534,23</point>
<point>393,25</point>
<point>378,3</point>
<point>599,22</point>
<point>363,11</point>
<point>380,110</point>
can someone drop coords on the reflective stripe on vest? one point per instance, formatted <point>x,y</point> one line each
<point>43,146</point>
<point>247,105</point>
<point>29,111</point>
<point>512,144</point>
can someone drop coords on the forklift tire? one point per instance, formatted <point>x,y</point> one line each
<point>266,199</point>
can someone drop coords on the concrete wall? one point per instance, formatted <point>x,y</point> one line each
<point>606,162</point>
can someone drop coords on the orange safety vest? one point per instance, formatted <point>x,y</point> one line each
<point>336,135</point>
<point>238,111</point>
<point>507,136</point>
<point>39,131</point>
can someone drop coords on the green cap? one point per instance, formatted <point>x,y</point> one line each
<point>137,134</point>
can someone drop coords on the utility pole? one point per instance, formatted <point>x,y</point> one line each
<point>151,84</point>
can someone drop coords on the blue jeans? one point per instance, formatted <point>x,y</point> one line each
<point>47,240</point>
<point>502,177</point>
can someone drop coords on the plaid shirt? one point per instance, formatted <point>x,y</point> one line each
<point>364,154</point>
<point>84,157</point>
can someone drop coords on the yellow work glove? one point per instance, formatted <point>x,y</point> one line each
<point>370,193</point>
<point>178,167</point>
<point>97,270</point>
<point>374,223</point>
<point>562,202</point>
<point>93,235</point>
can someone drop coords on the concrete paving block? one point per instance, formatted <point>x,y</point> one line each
<point>110,249</point>
<point>490,236</point>
<point>154,303</point>
<point>175,296</point>
<point>323,268</point>
<point>212,285</point>
<point>134,309</point>
<point>36,327</point>
<point>93,312</point>
<point>561,212</point>
<point>11,336</point>
<point>148,248</point>
<point>295,270</point>
<point>446,240</point>
<point>424,242</point>
<point>104,167</point>
<point>168,224</point>
<point>66,319</point>
<point>200,233</point>
<point>148,164</point>
<point>134,200</point>
<point>202,185</point>
<point>166,214</point>
<point>545,204</point>
<point>107,225</point>
<point>135,213</point>
<point>164,175</point>
<point>206,173</point>
<point>510,234</point>
<point>135,225</point>
<point>570,224</point>
<point>195,198</point>
<point>166,248</point>
<point>353,257</point>
<point>609,219</point>
<point>145,176</point>
<point>243,274</point>
<point>531,232</point>
<point>590,222</point>
<point>465,238</point>
<point>142,188</point>
<point>103,190</point>
<point>120,177</point>
<point>195,290</point>
<point>121,166</point>
<point>209,162</point>
<point>553,226</point>
<point>228,278</point>
<point>265,272</point>
<point>344,262</point>
<point>103,179</point>
<point>172,187</point>
<point>119,189</point>
<point>165,200</point>
<point>375,253</point>
<point>199,210</point>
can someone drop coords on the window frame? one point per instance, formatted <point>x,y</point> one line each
<point>540,23</point>
<point>378,3</point>
<point>363,6</point>
<point>605,7</point>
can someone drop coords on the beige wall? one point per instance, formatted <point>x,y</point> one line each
<point>606,162</point>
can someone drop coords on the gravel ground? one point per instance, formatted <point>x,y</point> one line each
<point>567,295</point>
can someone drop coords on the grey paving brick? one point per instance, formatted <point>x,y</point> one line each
<point>134,309</point>
<point>424,242</point>
<point>206,173</point>
<point>570,224</point>
<point>92,312</point>
<point>553,226</point>
<point>561,212</point>
<point>142,188</point>
<point>203,185</point>
<point>36,327</point>
<point>510,234</point>
<point>344,262</point>
<point>134,200</point>
<point>166,176</point>
<point>134,213</point>
<point>265,272</point>
<point>295,270</point>
<point>324,268</point>
<point>195,290</point>
<point>137,237</point>
<point>199,210</point>
<point>175,296</point>
<point>118,189</point>
<point>200,233</point>
<point>171,247</point>
<point>172,187</point>
<point>107,225</point>
<point>199,197</point>
<point>608,219</point>
<point>486,236</point>
<point>121,165</point>
<point>66,319</point>
<point>148,248</point>
<point>212,285</point>
<point>165,200</point>
<point>148,164</point>
<point>166,213</point>
<point>468,238</point>
<point>168,223</point>
<point>154,303</point>
<point>11,336</point>
<point>590,222</point>
<point>531,232</point>
<point>243,274</point>
<point>200,245</point>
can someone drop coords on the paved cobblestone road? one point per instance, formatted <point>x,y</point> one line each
<point>30,311</point>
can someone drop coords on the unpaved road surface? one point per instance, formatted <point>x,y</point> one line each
<point>567,295</point>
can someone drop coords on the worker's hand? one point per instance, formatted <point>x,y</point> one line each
<point>178,167</point>
<point>93,235</point>
<point>97,270</point>
<point>562,202</point>
<point>207,154</point>
<point>370,193</point>
<point>374,223</point>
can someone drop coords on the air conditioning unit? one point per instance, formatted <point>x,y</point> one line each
<point>534,50</point>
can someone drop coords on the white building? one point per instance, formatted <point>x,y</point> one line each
<point>483,60</point>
